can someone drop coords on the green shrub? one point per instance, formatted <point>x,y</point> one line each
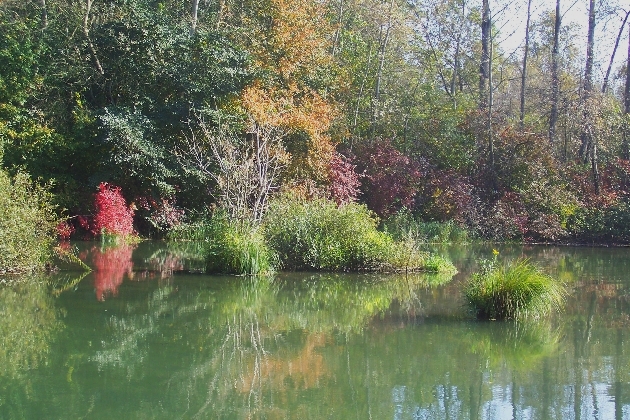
<point>516,290</point>
<point>237,248</point>
<point>27,224</point>
<point>601,224</point>
<point>319,235</point>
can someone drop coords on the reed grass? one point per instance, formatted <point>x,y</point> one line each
<point>514,290</point>
<point>235,247</point>
<point>320,235</point>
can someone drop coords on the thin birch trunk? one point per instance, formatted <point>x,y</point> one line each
<point>626,108</point>
<point>44,14</point>
<point>524,73</point>
<point>555,80</point>
<point>194,16</point>
<point>484,67</point>
<point>614,52</point>
<point>585,147</point>
<point>86,32</point>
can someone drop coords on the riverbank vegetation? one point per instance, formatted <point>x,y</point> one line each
<point>27,225</point>
<point>309,235</point>
<point>142,115</point>
<point>320,235</point>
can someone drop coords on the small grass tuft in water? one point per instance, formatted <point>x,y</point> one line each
<point>515,290</point>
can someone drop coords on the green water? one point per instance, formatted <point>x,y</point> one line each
<point>145,336</point>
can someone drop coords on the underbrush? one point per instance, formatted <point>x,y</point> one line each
<point>404,226</point>
<point>27,225</point>
<point>229,246</point>
<point>320,235</point>
<point>601,224</point>
<point>237,248</point>
<point>511,291</point>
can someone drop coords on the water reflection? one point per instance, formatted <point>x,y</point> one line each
<point>111,264</point>
<point>28,324</point>
<point>323,346</point>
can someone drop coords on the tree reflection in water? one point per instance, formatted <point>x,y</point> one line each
<point>110,264</point>
<point>337,346</point>
<point>28,324</point>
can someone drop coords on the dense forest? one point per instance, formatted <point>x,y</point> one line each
<point>409,107</point>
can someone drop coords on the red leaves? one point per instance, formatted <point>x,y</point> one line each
<point>344,181</point>
<point>112,214</point>
<point>391,178</point>
<point>64,230</point>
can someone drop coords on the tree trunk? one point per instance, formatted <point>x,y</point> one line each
<point>338,30</point>
<point>44,14</point>
<point>86,32</point>
<point>493,172</point>
<point>194,15</point>
<point>588,82</point>
<point>383,41</point>
<point>484,67</point>
<point>594,168</point>
<point>626,108</point>
<point>220,14</point>
<point>590,44</point>
<point>455,70</point>
<point>524,72</point>
<point>614,52</point>
<point>555,80</point>
<point>456,59</point>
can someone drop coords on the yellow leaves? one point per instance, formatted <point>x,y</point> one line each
<point>298,39</point>
<point>296,110</point>
<point>294,50</point>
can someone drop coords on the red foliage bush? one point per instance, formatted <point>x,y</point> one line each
<point>391,178</point>
<point>447,195</point>
<point>344,181</point>
<point>112,214</point>
<point>64,230</point>
<point>507,218</point>
<point>612,184</point>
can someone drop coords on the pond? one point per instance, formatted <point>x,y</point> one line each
<point>146,336</point>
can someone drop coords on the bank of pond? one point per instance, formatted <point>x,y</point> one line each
<point>148,334</point>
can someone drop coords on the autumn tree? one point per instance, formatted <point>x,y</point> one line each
<point>293,93</point>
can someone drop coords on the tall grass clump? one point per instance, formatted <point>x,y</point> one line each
<point>320,235</point>
<point>27,225</point>
<point>511,291</point>
<point>236,247</point>
<point>404,225</point>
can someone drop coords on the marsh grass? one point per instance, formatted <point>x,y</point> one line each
<point>511,291</point>
<point>320,235</point>
<point>235,247</point>
<point>405,226</point>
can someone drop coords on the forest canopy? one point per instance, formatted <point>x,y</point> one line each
<point>405,106</point>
